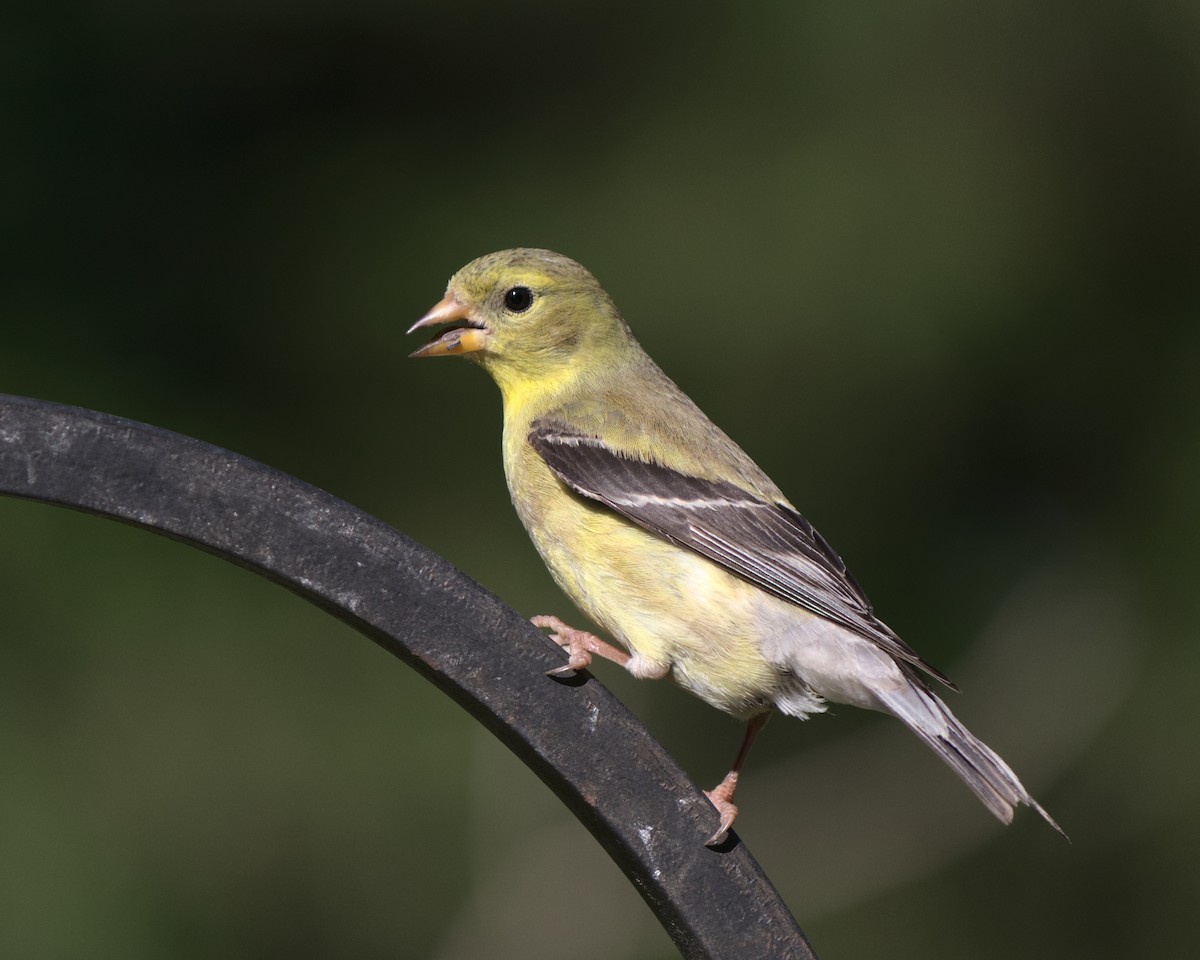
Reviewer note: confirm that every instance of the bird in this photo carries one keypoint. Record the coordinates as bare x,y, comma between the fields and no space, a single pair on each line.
666,535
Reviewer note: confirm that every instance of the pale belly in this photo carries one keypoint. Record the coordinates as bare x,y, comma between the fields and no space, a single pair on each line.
671,608
730,643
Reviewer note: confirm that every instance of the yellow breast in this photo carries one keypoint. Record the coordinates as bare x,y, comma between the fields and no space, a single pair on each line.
661,601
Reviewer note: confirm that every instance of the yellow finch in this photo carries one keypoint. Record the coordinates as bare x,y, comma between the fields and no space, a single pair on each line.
668,536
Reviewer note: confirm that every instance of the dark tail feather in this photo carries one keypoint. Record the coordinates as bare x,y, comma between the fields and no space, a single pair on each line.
979,766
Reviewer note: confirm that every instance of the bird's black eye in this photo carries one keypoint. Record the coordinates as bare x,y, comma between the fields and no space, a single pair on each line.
518,299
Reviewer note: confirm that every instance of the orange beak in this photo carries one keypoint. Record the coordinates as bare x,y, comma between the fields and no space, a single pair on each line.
467,336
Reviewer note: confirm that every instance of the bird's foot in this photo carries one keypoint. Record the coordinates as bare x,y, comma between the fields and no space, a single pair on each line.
721,797
579,644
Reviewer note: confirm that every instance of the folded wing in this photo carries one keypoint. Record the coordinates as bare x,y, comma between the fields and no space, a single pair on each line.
767,544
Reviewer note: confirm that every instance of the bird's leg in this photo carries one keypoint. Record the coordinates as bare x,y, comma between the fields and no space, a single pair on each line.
722,794
580,645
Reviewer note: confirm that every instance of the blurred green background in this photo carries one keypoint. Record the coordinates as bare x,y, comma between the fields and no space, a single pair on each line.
933,265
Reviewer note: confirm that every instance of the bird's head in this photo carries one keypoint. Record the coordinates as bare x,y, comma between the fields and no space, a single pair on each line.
525,315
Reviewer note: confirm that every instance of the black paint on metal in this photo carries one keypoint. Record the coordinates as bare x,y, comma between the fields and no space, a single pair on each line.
636,801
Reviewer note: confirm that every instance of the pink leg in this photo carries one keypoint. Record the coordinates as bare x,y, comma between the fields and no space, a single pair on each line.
722,794
580,645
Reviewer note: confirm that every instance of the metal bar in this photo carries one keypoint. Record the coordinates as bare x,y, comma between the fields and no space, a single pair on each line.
637,802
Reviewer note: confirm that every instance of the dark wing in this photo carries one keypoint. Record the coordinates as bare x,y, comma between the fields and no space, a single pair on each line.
767,544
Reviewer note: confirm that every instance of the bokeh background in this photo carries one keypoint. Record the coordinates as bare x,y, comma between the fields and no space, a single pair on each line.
934,265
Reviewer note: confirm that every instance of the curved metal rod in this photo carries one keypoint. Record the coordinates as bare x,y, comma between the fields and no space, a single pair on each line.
577,738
